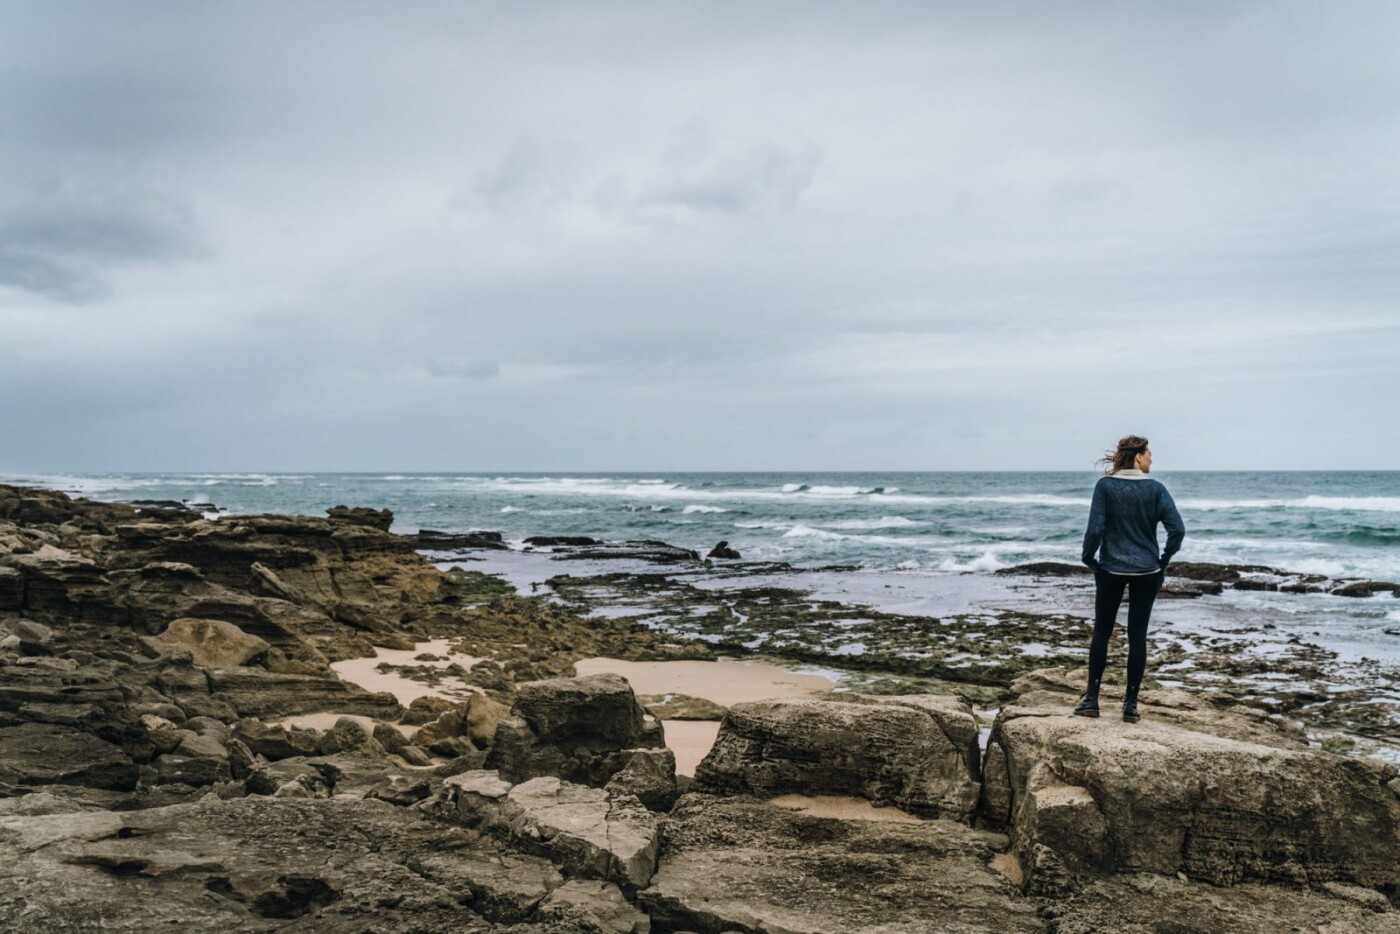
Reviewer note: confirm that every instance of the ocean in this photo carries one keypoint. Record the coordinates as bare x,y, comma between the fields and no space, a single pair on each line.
1339,523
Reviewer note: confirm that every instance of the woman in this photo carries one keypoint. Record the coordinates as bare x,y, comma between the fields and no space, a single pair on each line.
1121,547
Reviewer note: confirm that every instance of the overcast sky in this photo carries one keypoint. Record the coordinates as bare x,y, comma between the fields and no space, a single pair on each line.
650,236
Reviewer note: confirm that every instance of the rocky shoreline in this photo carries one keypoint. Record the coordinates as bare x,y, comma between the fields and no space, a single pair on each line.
178,746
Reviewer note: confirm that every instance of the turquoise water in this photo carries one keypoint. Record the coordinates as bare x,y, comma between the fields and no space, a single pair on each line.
1342,524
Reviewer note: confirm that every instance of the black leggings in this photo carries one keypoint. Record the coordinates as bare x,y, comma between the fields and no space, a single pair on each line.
1108,597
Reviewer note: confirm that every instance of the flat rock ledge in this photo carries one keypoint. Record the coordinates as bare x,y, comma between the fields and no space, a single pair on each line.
917,752
590,832
1218,795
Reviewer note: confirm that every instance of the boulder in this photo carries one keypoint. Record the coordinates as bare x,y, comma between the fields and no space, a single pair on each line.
175,768
269,778
573,728
213,643
273,741
50,754
31,638
916,752
163,735
348,736
597,707
1221,795
415,755
681,707
587,831
476,719
650,774
202,747
426,709
389,736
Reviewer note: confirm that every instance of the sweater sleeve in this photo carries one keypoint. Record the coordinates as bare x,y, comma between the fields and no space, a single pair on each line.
1176,529
1093,535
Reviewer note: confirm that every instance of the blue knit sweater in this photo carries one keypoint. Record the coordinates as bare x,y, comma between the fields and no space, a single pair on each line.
1122,533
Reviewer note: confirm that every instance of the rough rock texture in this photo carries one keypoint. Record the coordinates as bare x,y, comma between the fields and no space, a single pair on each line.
741,864
255,864
1216,794
593,906
917,752
572,728
681,707
212,643
47,754
650,774
587,831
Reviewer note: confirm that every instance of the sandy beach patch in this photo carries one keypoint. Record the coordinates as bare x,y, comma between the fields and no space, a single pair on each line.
365,672
725,681
841,807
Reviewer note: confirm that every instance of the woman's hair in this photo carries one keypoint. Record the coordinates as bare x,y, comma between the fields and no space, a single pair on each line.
1121,459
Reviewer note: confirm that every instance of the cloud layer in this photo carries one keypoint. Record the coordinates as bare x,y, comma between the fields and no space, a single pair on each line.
620,236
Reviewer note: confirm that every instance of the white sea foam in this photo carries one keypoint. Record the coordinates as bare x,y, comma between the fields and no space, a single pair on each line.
987,561
85,486
510,509
1352,503
806,531
694,508
884,522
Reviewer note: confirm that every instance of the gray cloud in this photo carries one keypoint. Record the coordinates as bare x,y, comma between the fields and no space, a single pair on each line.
899,235
57,239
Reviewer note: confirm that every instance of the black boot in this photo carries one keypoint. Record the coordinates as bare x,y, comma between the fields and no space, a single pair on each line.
1130,708
1088,705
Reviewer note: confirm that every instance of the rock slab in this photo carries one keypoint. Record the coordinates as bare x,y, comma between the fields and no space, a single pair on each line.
590,832
918,753
1214,795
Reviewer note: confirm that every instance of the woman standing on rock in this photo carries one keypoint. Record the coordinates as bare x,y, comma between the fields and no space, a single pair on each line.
1121,547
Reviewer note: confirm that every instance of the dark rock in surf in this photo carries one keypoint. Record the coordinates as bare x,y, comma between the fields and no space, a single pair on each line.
1045,569
561,541
722,550
379,519
432,539
1367,589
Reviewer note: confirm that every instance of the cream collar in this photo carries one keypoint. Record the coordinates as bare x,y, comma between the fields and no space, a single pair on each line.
1130,473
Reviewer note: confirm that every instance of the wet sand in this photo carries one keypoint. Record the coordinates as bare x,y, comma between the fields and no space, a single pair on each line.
364,672
841,807
725,681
